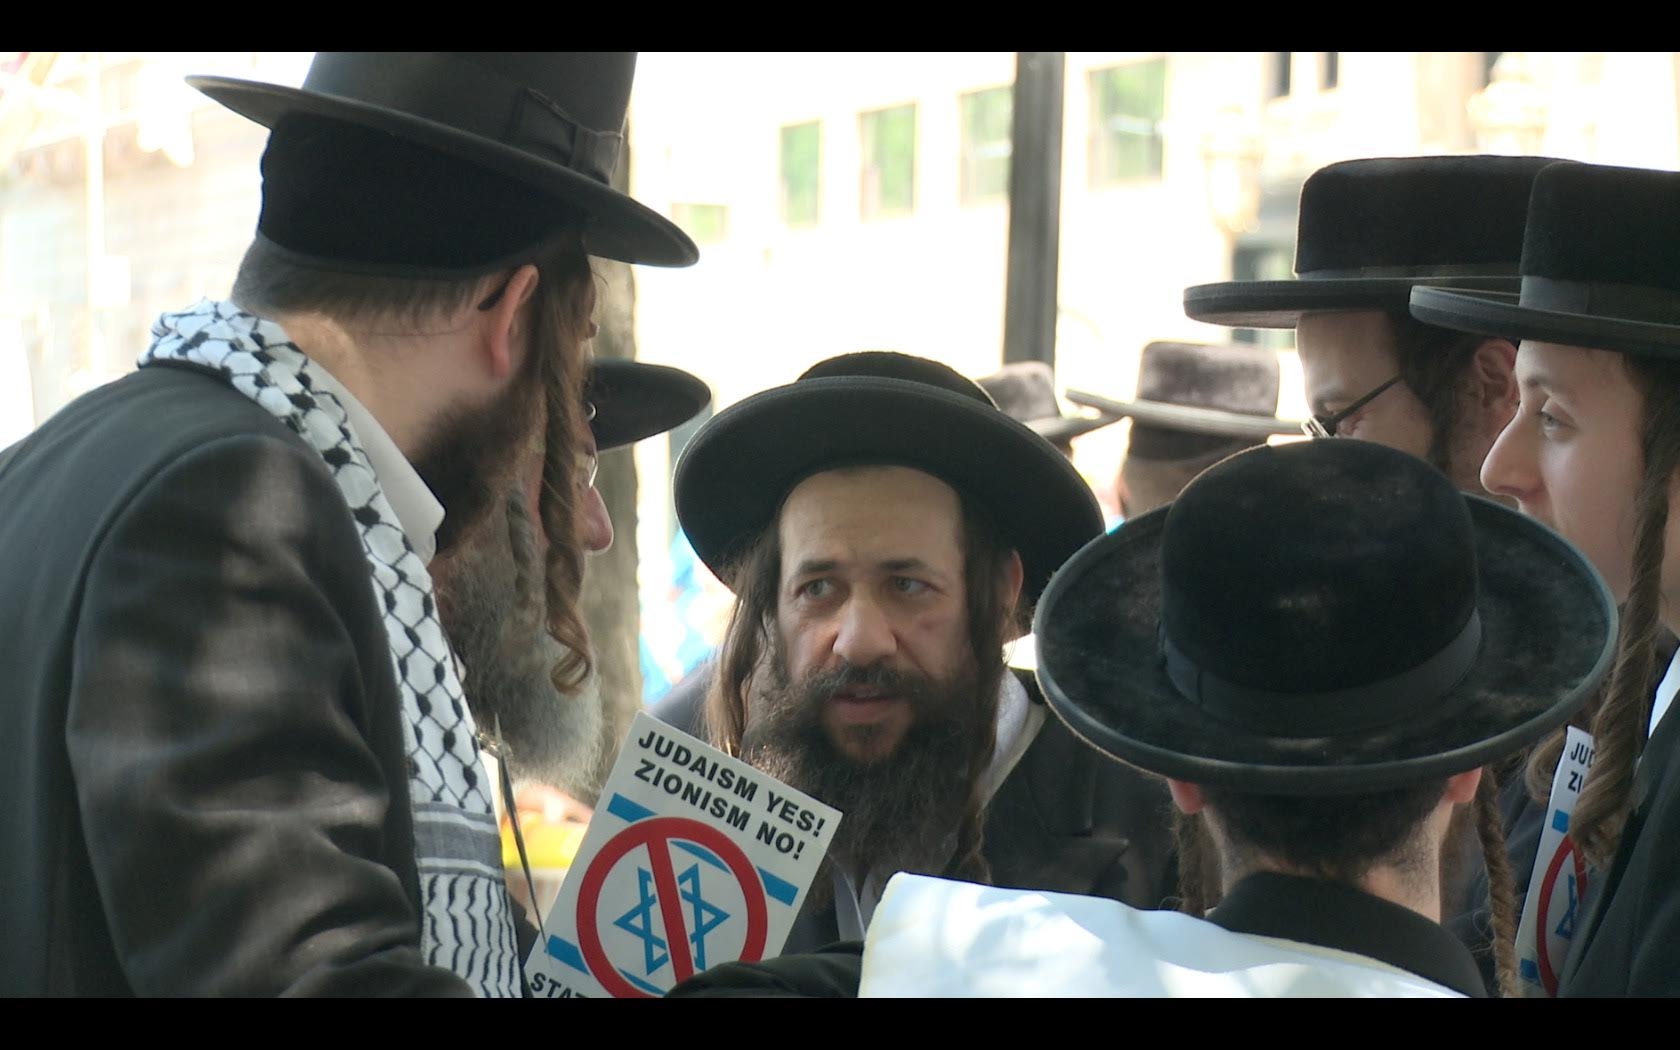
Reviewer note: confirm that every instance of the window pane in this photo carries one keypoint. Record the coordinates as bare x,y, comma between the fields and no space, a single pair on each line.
1280,73
1127,103
706,223
801,173
985,144
889,161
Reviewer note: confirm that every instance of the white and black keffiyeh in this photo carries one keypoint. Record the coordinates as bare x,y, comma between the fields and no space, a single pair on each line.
468,924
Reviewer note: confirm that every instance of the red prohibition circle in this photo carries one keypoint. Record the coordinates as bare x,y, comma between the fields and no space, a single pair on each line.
1542,924
657,833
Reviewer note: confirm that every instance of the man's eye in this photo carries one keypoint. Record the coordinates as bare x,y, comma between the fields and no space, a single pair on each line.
909,585
816,589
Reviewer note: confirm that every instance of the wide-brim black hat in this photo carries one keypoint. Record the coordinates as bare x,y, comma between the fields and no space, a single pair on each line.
1600,267
1026,390
880,409
1189,394
1188,418
1372,230
634,400
552,121
1361,697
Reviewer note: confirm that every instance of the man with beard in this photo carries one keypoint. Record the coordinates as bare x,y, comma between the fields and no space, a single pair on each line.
492,604
1369,232
490,591
886,529
242,764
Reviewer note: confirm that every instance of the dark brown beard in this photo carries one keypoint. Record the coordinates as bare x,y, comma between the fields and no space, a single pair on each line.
471,455
901,812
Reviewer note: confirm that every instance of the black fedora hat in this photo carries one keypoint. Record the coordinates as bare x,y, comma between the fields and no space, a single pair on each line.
888,409
634,400
1369,230
551,122
1194,397
1026,390
1600,266
1322,617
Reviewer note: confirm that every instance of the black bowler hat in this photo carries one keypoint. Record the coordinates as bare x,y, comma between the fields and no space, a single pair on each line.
1600,266
1372,229
437,163
1026,390
634,400
1323,617
878,408
1193,398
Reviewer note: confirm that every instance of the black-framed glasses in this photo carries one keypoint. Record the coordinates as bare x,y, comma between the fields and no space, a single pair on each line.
1325,426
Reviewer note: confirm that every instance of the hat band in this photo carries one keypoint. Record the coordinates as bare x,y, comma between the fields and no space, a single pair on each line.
1336,711
1626,302
1416,272
449,90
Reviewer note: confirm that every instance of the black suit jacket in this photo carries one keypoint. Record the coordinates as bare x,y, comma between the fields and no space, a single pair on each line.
1067,818
1630,944
205,781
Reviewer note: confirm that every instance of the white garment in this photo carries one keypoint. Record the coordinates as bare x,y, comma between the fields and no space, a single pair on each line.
1018,723
1664,698
937,937
417,509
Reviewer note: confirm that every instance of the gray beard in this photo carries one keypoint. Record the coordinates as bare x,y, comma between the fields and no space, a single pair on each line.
491,602
901,812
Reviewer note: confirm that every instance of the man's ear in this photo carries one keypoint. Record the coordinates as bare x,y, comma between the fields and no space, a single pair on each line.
1461,787
503,323
1187,797
1493,379
1013,575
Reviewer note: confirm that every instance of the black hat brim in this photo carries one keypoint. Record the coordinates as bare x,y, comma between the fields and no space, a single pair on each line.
614,225
1190,418
634,400
735,473
1280,304
1489,313
1549,628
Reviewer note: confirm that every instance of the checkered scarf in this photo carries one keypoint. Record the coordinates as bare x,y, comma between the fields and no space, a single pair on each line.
467,921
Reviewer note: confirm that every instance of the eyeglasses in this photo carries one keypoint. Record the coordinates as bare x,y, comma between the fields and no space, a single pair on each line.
1325,426
588,466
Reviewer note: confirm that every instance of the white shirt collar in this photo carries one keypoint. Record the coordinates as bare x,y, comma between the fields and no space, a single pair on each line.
1665,694
1019,720
418,511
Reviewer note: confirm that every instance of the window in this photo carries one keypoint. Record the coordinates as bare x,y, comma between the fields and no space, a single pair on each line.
986,140
1279,85
1126,107
706,223
801,173
889,162
1329,69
